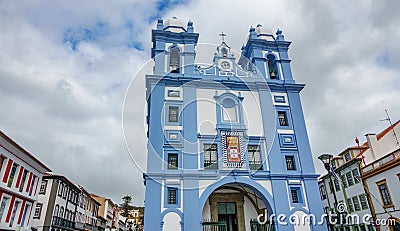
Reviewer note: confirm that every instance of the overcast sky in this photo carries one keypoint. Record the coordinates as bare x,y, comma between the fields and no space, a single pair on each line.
65,67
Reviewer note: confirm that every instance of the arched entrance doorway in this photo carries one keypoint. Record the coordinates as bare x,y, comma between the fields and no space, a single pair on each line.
235,207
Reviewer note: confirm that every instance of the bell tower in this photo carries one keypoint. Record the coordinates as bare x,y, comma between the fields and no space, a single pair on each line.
173,47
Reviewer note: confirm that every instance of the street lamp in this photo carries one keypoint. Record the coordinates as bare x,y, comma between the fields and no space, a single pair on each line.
326,160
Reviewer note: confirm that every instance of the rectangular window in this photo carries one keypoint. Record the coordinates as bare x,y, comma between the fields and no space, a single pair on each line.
295,195
32,184
347,156
60,189
337,185
26,209
38,211
350,203
210,156
24,175
363,201
12,175
3,207
322,192
172,196
282,118
349,178
173,93
356,176
330,187
385,194
356,204
290,165
344,182
173,114
172,161
43,187
362,227
255,161
14,213
2,158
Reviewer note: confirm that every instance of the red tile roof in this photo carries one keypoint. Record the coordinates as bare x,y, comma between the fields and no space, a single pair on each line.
384,132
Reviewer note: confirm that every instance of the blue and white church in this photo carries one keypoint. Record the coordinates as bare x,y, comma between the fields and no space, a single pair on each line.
226,141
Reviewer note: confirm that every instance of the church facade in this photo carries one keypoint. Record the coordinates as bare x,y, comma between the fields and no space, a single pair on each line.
227,142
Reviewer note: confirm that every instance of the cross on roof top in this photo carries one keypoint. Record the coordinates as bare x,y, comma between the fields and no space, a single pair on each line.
222,36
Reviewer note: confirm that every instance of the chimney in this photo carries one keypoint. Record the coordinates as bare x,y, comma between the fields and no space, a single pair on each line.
373,145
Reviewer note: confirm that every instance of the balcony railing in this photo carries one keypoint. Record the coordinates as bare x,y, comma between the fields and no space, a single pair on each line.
61,222
210,225
211,165
384,160
255,165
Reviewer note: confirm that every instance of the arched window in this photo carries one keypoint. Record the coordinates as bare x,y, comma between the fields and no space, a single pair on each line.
272,67
174,59
229,109
61,212
66,214
56,210
224,52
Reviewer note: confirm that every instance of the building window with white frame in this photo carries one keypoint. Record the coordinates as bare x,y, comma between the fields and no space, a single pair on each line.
210,156
38,211
14,213
290,163
3,205
2,159
43,187
173,114
172,196
350,204
385,194
356,175
282,117
12,175
295,195
322,192
24,175
172,160
349,178
60,189
254,155
337,185
356,203
363,201
347,156
344,182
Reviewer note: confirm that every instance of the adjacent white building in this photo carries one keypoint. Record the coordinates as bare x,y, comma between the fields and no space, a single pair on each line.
57,204
20,174
381,176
